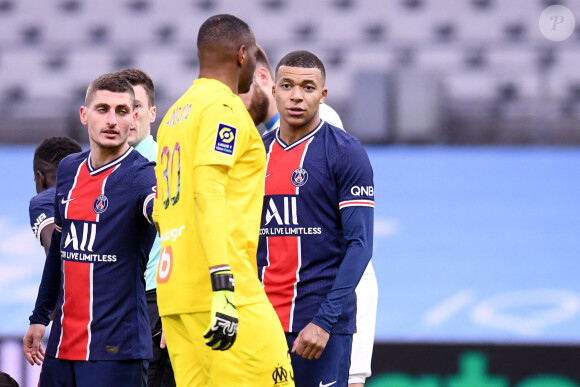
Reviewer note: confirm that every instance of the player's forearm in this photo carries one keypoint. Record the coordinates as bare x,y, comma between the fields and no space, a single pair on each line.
49,285
210,213
46,237
358,231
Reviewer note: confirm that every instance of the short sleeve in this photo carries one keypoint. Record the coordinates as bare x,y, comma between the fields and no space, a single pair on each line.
145,186
222,133
41,212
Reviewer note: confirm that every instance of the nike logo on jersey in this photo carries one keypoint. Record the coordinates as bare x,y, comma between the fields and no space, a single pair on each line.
326,385
268,175
63,201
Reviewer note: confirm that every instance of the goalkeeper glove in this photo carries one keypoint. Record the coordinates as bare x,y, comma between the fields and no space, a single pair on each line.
223,329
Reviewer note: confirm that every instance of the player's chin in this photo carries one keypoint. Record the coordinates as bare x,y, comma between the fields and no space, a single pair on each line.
296,120
109,143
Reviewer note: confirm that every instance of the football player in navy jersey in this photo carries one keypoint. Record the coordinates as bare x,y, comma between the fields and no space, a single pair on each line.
47,156
317,225
261,105
94,270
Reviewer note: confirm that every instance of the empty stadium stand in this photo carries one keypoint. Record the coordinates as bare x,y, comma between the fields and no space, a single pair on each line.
485,58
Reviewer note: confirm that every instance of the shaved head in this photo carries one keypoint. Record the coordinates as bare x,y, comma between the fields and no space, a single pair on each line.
226,49
221,31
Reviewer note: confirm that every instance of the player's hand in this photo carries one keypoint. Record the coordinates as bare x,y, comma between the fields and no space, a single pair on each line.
162,343
223,327
310,342
32,344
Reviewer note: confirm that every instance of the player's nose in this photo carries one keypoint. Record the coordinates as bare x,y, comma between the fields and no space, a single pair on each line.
111,118
296,93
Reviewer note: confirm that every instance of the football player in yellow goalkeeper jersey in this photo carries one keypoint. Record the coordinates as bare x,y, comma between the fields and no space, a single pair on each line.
220,328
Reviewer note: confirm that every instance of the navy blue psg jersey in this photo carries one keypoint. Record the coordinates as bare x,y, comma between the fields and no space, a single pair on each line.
94,271
309,186
41,211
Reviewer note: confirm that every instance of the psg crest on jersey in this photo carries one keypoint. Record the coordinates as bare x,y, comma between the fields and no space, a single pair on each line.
299,177
100,205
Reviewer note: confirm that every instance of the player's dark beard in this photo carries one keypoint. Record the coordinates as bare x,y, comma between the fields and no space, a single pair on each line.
259,106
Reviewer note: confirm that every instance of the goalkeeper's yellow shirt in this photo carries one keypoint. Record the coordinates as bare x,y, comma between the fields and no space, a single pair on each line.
208,125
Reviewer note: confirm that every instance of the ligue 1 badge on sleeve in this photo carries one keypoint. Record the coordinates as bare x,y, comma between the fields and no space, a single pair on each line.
299,177
225,139
100,205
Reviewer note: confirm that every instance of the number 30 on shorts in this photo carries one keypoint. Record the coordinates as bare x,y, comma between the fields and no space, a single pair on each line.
169,176
165,265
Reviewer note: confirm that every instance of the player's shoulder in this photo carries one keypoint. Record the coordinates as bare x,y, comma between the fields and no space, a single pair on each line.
70,163
269,136
337,137
212,91
74,158
138,161
216,100
44,198
343,150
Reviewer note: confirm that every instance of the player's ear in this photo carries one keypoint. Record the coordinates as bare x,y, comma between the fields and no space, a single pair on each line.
152,114
41,179
323,96
263,76
242,55
83,115
274,90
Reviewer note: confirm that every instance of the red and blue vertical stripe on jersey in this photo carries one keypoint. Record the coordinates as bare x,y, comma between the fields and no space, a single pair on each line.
280,278
77,308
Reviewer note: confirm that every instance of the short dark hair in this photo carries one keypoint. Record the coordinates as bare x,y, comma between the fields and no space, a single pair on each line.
222,29
262,59
114,82
304,59
7,380
53,149
139,77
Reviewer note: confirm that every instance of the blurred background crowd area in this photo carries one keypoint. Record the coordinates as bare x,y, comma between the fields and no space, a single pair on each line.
398,71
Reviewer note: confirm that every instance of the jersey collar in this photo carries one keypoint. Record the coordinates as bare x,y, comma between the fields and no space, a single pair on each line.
117,161
296,143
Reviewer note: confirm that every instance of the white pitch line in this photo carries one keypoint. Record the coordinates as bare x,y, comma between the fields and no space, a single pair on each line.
441,312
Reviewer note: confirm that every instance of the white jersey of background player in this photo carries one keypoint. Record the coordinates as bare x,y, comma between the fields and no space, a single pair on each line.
262,107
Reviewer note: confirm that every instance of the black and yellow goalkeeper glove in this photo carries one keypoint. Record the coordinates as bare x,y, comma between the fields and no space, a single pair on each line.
223,328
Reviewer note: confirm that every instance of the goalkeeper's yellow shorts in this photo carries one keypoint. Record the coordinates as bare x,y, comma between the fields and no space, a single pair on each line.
259,356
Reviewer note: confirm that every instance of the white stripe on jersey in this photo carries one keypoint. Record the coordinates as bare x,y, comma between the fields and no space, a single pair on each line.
147,200
356,203
291,322
61,311
91,312
42,225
